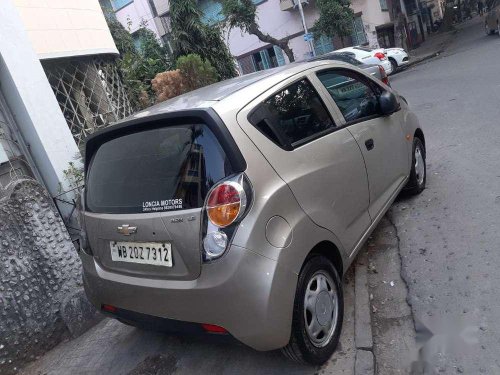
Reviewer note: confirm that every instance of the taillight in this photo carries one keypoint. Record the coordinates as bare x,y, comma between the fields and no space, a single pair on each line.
212,328
383,75
109,308
225,206
225,203
380,56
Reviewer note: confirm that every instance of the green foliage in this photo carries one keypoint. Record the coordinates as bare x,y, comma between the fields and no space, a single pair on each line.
73,175
191,36
240,13
335,18
138,67
196,72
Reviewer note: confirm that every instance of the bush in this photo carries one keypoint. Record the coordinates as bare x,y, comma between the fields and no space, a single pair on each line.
196,72
192,73
166,85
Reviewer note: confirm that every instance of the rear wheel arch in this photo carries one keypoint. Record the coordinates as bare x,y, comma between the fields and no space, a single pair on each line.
329,250
420,135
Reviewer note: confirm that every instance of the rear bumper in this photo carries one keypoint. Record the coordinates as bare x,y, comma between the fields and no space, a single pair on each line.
387,66
249,295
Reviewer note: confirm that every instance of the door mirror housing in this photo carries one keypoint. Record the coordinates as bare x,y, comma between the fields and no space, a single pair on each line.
388,103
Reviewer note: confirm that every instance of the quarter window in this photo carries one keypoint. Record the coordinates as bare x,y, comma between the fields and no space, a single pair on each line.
293,116
355,97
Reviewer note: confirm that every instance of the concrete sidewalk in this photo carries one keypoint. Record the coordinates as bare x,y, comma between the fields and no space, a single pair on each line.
436,43
116,349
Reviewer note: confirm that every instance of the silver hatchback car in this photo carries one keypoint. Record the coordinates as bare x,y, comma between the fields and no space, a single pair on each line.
236,209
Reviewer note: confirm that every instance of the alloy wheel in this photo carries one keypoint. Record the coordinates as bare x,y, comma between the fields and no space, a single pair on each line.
419,165
320,309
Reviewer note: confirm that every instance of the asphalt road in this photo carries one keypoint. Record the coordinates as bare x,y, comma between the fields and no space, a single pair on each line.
450,235
448,241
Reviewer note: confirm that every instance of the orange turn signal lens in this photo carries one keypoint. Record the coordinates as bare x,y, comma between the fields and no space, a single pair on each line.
222,216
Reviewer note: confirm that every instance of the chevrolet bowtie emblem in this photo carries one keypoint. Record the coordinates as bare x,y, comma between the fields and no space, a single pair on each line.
126,229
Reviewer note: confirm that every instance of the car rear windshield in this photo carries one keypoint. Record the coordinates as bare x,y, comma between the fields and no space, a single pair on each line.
162,169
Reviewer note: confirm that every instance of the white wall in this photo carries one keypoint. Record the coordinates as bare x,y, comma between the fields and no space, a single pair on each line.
134,13
372,16
60,28
277,23
32,102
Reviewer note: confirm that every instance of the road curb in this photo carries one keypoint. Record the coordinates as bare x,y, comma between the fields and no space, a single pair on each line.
365,363
429,56
363,337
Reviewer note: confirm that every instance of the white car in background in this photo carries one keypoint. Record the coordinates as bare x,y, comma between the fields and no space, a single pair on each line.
369,55
398,57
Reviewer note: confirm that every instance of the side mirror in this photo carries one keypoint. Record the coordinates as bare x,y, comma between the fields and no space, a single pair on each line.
388,103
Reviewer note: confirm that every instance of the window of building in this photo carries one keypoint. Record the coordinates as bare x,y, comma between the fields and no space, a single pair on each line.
293,116
270,57
383,5
118,4
323,44
211,11
358,31
354,96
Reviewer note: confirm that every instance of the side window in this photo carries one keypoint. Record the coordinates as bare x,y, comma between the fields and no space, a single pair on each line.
292,116
355,96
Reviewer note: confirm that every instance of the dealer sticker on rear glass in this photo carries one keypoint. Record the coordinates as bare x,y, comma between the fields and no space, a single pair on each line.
163,205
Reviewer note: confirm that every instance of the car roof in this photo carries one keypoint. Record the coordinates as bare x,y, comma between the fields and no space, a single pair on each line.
208,96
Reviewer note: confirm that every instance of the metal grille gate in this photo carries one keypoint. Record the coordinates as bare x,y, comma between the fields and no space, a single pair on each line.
90,92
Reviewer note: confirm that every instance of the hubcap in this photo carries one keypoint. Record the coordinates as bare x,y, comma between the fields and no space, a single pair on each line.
419,165
320,309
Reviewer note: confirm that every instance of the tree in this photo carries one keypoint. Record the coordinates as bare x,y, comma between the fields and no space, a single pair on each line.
191,36
243,14
335,18
138,65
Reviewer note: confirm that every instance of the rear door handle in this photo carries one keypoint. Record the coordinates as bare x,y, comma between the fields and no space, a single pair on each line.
369,144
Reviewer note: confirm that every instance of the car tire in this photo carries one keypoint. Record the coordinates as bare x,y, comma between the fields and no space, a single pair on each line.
418,173
394,65
320,284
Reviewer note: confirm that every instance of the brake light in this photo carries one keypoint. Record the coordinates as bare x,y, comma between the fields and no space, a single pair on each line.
380,56
383,75
109,308
225,203
212,328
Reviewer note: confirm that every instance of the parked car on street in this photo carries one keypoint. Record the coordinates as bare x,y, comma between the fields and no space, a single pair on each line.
236,209
373,69
369,55
398,57
492,19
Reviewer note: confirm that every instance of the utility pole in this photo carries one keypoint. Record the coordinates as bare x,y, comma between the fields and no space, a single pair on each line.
310,42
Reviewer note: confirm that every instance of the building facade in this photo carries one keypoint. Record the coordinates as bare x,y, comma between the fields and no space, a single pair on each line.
377,23
279,18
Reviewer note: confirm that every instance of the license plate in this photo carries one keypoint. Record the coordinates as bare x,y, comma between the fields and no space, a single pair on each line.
155,253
